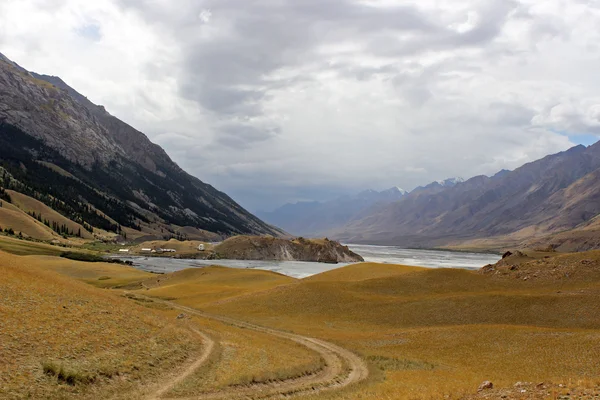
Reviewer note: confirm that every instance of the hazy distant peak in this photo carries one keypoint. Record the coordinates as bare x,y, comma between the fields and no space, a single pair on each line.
396,190
451,181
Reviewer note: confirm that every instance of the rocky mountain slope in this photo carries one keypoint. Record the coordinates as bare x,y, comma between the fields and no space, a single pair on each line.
560,192
269,248
315,218
72,155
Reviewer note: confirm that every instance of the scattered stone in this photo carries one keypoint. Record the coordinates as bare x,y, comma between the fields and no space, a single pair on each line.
486,385
526,278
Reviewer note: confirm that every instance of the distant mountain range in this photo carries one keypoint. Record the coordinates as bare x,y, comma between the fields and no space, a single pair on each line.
317,218
72,155
553,201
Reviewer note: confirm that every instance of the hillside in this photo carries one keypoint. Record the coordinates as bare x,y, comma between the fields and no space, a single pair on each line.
269,248
62,339
399,332
315,218
73,156
555,194
434,334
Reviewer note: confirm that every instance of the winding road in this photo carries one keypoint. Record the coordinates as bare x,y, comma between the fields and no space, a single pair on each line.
342,367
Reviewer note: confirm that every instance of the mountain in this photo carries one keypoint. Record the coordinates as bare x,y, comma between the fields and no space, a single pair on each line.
316,218
61,149
558,193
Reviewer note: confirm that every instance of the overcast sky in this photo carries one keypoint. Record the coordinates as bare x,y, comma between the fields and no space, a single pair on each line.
283,100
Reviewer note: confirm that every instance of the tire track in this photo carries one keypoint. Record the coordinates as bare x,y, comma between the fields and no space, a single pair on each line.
342,367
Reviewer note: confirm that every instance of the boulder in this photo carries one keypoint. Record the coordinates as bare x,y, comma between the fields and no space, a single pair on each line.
486,385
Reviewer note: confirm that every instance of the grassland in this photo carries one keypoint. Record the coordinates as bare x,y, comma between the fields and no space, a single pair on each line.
25,248
437,333
425,334
63,339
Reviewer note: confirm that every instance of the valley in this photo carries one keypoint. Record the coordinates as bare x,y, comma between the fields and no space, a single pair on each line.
124,276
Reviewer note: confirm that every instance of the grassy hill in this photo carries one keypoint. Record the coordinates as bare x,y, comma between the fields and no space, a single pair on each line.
67,339
20,222
63,339
425,333
31,205
436,333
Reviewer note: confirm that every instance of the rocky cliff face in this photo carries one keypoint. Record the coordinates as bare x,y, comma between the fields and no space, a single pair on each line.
557,193
49,130
268,248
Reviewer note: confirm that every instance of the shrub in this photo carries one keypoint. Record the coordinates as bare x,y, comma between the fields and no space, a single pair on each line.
86,257
69,376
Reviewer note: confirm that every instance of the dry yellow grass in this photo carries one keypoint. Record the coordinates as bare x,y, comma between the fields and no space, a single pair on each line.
103,275
432,333
29,204
62,339
23,247
426,334
245,357
360,272
194,287
21,222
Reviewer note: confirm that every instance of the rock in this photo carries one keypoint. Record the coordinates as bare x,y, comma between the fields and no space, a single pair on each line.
507,254
181,316
486,385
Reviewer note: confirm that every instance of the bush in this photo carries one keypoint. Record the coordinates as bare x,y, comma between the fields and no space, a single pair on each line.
69,376
72,255
93,258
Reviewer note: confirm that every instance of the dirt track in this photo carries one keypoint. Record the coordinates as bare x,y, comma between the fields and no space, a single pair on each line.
342,367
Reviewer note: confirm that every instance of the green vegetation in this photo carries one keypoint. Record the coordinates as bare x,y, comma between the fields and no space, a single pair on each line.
91,258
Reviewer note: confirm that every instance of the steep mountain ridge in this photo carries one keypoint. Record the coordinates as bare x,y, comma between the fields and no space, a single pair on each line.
558,192
47,127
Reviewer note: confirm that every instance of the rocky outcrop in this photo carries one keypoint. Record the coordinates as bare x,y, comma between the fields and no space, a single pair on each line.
270,248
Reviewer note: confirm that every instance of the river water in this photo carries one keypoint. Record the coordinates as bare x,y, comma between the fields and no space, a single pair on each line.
297,269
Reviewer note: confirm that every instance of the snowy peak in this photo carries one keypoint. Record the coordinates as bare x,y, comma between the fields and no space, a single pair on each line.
451,182
394,192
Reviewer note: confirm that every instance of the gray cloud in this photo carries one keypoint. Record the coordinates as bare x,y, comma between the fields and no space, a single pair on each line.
282,100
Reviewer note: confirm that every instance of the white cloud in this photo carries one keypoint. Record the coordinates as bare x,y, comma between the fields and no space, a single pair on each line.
273,101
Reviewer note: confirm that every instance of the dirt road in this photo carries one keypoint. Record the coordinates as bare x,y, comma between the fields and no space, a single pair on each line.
342,367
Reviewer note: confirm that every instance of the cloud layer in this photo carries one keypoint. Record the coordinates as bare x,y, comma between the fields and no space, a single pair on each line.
283,100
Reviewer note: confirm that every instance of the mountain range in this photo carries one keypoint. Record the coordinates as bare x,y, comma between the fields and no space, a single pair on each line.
553,201
72,155
316,218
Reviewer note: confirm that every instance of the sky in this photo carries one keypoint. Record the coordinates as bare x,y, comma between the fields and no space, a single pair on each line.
276,101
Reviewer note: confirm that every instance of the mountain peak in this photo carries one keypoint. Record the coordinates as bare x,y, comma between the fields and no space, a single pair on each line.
396,190
113,169
451,182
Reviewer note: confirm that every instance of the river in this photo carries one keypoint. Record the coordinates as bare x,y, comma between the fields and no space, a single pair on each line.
297,269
